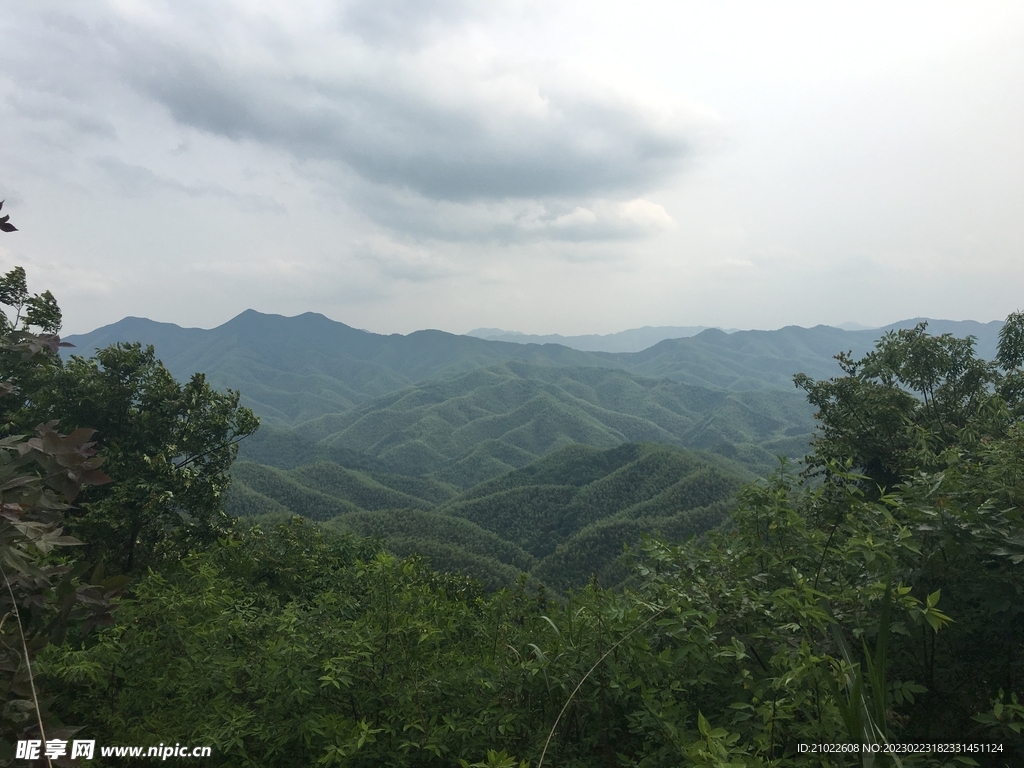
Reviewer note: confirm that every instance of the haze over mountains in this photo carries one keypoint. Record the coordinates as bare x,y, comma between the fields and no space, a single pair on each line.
632,340
292,369
501,457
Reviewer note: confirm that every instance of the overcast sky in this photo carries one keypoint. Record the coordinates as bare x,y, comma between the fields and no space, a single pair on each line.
546,167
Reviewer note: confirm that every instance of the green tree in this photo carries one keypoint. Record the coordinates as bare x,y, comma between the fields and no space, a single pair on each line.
169,444
911,387
43,596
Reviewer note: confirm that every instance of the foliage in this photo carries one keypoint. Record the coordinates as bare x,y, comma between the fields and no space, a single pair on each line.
170,445
43,598
482,424
912,392
876,598
43,595
35,310
563,518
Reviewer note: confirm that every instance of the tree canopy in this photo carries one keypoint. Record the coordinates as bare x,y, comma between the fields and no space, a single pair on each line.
876,598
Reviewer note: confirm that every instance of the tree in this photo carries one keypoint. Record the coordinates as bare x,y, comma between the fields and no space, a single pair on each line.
43,596
169,444
39,310
914,391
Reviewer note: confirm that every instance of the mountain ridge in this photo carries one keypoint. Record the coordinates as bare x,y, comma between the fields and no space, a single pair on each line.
291,370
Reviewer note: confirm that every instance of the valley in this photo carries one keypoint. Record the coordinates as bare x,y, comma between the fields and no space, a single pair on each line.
504,460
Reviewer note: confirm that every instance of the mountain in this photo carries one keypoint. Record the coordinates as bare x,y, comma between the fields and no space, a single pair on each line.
632,340
752,360
292,370
501,458
560,519
468,428
852,326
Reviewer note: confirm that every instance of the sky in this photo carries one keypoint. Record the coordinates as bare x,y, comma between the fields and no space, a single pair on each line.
546,167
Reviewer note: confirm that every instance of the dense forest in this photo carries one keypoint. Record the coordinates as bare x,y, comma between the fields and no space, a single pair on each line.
434,574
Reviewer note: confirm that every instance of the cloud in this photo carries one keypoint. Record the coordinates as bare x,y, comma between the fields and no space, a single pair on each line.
410,111
447,114
506,135
53,108
608,220
135,180
404,22
512,220
398,261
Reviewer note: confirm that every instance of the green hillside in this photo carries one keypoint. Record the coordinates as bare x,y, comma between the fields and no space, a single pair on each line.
297,369
467,429
603,500
292,369
560,519
452,544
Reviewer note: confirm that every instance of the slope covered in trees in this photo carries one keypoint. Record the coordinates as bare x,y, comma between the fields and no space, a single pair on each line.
561,519
755,360
875,600
469,428
293,369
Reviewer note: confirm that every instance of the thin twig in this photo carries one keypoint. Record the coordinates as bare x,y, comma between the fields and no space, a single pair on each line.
597,663
28,664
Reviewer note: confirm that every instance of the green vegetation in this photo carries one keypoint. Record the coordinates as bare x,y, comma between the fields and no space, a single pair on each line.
295,369
176,442
873,596
563,518
42,600
478,425
292,370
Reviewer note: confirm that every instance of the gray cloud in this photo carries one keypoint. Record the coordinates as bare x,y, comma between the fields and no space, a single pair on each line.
514,220
403,22
389,134
52,108
440,134
443,116
135,181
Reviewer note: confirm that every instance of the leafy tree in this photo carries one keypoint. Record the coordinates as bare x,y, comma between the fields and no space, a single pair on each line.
914,391
43,596
169,444
39,310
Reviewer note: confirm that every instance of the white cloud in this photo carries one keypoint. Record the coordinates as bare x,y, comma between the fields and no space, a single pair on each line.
579,217
414,159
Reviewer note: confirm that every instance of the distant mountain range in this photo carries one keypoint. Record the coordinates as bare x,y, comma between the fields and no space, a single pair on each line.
292,370
633,340
504,458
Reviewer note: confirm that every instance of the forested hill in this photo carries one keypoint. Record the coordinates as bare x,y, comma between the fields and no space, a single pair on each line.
747,360
560,519
472,427
293,369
